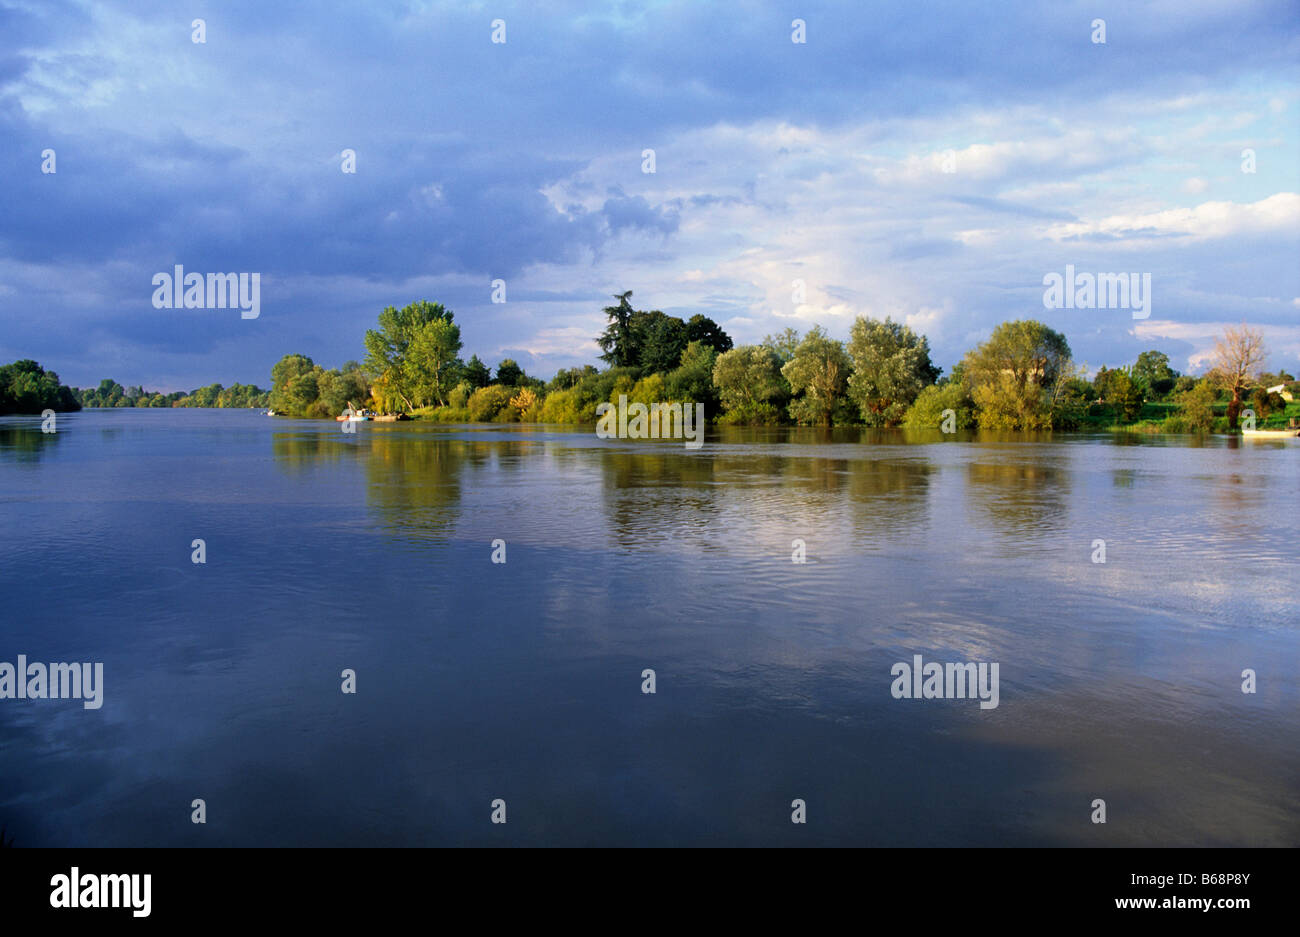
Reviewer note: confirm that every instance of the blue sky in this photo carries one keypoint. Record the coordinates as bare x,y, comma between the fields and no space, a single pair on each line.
775,161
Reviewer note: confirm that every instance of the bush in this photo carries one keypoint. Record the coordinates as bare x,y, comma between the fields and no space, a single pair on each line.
486,403
752,414
926,412
459,397
568,406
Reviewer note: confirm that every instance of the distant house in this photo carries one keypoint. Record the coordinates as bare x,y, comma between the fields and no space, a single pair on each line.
1281,391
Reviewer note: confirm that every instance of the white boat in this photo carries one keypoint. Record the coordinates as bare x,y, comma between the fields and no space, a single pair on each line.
1269,433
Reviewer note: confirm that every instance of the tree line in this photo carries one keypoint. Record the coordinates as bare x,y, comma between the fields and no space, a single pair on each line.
110,393
1022,377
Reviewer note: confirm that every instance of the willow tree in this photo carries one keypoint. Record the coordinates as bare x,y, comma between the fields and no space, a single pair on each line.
1016,376
891,366
818,374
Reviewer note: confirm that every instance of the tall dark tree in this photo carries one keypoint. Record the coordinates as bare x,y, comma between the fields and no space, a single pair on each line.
661,339
477,373
509,373
704,330
617,343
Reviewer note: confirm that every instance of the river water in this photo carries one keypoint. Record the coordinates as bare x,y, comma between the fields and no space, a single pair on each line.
522,681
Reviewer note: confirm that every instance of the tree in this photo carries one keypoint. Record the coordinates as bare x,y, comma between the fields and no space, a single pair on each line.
1124,394
26,387
294,385
566,378
1196,407
432,364
692,380
783,344
618,343
660,338
1235,361
704,330
891,365
415,357
341,389
509,374
524,401
1016,375
477,373
1152,370
654,341
819,373
747,379
486,403
927,411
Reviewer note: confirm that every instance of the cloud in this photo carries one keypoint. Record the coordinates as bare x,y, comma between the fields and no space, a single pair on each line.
522,161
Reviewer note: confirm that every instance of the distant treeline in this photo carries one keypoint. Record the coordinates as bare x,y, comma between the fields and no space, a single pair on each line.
110,393
1022,377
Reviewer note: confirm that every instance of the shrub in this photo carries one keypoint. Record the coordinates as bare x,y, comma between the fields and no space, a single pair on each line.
486,403
459,396
926,412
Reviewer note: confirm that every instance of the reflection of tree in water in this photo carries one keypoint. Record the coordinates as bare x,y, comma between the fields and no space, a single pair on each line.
665,495
1020,497
415,483
890,494
295,452
24,443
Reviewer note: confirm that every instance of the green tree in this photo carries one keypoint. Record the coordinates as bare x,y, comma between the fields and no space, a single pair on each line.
1196,407
661,339
1152,370
704,330
1016,375
294,385
618,343
692,380
748,381
891,366
414,351
818,373
487,403
509,374
26,387
928,410
477,373
1124,394
431,365
783,344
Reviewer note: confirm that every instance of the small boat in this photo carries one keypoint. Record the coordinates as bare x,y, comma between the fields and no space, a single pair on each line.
353,415
1269,433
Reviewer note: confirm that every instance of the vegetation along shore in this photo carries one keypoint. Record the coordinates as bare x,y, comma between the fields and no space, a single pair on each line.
1022,377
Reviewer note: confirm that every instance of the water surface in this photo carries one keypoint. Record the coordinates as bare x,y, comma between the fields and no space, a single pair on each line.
522,681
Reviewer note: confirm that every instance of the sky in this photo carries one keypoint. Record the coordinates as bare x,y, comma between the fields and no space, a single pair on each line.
931,162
